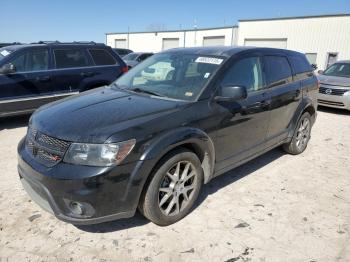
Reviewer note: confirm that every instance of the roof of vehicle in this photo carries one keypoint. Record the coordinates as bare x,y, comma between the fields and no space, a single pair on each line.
117,48
343,62
53,43
141,53
226,51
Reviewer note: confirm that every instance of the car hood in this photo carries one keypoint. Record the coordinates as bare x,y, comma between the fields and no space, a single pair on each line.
334,80
94,116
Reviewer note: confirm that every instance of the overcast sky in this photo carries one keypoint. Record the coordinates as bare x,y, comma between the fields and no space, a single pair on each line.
69,20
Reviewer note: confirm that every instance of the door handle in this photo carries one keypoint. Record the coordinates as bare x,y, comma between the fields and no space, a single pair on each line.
265,103
43,78
261,104
87,74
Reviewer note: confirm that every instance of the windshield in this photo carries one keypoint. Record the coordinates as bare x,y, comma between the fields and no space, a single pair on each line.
4,52
171,75
131,56
338,69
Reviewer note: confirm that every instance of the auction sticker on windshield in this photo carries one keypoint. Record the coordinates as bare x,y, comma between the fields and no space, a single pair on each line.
209,60
5,52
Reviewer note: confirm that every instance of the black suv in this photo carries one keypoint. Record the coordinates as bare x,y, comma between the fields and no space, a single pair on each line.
151,141
34,74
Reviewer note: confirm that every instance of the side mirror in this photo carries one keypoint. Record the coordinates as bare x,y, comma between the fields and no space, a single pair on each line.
231,93
314,66
7,69
320,72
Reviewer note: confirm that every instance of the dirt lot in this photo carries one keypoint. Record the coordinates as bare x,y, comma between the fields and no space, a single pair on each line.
275,208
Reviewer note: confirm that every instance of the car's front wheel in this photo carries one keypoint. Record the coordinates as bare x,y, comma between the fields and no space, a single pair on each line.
173,189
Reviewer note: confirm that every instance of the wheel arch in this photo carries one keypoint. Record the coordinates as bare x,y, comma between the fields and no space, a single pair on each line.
306,105
192,139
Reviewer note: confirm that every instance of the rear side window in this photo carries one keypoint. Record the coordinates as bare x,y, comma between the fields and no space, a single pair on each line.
300,64
102,57
68,58
278,70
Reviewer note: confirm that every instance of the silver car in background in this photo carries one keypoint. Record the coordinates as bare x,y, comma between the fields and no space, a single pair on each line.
335,85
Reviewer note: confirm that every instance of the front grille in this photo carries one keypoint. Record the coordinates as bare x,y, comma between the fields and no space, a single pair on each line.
325,102
332,91
47,150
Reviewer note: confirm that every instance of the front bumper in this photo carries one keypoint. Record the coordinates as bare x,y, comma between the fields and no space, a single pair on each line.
105,194
334,101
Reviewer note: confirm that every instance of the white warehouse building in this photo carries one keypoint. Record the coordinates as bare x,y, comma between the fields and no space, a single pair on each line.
324,39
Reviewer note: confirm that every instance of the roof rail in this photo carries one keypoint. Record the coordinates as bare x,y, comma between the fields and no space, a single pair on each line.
47,42
67,43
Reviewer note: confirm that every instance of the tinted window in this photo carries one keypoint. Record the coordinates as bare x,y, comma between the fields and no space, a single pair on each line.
102,57
66,58
36,60
143,57
246,72
279,71
300,64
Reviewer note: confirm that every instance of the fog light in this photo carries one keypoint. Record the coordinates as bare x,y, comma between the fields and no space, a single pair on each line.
76,208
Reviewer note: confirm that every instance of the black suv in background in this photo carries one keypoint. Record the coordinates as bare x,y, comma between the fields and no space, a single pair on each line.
152,141
34,74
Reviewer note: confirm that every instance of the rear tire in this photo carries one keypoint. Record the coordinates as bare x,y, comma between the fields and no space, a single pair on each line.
301,136
173,189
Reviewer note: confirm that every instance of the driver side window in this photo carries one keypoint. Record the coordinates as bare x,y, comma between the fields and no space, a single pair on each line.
37,60
246,72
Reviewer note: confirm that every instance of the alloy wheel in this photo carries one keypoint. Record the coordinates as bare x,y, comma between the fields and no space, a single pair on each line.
303,133
177,188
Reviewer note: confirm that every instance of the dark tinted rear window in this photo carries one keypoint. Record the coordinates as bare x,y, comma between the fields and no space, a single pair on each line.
68,58
300,64
278,68
102,57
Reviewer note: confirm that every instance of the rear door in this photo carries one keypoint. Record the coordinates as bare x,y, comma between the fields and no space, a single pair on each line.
244,124
30,85
285,95
71,67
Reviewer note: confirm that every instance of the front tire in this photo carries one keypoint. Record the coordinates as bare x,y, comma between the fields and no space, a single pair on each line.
173,189
301,136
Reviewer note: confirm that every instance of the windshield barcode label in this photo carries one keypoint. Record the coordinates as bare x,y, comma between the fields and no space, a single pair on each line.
209,60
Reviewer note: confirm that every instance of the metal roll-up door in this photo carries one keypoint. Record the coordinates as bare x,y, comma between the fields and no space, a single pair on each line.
120,43
170,43
213,40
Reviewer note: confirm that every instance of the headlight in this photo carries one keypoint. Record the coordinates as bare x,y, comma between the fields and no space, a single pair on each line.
98,154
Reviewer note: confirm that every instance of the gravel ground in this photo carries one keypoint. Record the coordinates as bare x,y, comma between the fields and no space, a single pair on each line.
277,207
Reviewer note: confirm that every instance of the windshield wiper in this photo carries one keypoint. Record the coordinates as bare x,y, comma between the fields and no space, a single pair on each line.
139,90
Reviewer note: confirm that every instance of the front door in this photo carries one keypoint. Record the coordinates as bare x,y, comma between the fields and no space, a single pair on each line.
29,86
243,124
